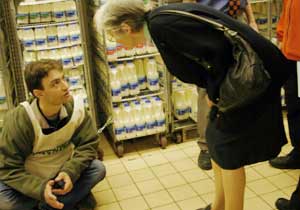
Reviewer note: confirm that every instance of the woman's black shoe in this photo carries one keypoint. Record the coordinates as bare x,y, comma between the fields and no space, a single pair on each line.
206,208
283,204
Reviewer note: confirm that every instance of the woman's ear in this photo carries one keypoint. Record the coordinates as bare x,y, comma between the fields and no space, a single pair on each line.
126,28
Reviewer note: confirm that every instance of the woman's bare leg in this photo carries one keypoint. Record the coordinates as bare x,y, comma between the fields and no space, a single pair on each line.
234,188
219,201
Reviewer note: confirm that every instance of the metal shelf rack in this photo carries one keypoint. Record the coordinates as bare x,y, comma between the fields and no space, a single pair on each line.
105,103
37,25
5,67
28,3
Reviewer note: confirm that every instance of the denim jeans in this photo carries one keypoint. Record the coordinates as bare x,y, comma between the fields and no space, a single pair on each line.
202,118
11,199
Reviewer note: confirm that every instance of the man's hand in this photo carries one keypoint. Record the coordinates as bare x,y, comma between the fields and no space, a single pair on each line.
50,198
63,176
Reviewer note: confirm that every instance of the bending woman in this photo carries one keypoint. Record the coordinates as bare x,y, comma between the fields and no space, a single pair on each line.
197,53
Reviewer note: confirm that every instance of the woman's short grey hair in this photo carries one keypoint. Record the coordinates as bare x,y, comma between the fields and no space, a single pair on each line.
115,12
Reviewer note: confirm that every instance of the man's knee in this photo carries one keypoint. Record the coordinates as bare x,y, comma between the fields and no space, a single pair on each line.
13,200
7,205
98,170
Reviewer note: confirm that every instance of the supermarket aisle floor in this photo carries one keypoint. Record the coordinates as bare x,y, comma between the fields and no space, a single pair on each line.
148,177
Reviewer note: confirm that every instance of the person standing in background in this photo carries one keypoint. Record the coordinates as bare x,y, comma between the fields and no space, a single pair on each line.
288,33
244,14
244,9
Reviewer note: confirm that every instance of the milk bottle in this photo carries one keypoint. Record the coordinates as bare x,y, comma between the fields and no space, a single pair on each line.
28,39
153,117
115,84
139,118
180,106
75,81
75,72
66,58
123,79
188,99
129,121
42,54
23,15
118,122
45,10
77,54
71,12
132,79
40,38
63,35
111,50
2,93
29,56
54,54
74,31
83,95
120,50
146,112
58,12
159,114
52,36
140,74
140,49
20,34
149,116
151,48
195,101
129,51
34,13
152,75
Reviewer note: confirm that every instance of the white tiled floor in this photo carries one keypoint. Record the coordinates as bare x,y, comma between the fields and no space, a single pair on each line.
148,177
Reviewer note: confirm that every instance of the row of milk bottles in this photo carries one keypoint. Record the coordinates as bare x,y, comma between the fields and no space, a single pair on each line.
52,36
3,104
75,78
128,79
69,56
185,100
81,93
47,12
116,50
139,118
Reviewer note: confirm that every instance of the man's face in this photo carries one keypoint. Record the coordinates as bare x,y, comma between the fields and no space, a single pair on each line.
55,89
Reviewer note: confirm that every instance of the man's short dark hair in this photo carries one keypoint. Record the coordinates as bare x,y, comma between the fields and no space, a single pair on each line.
36,71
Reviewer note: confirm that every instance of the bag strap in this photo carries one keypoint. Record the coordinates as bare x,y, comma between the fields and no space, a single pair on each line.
215,24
